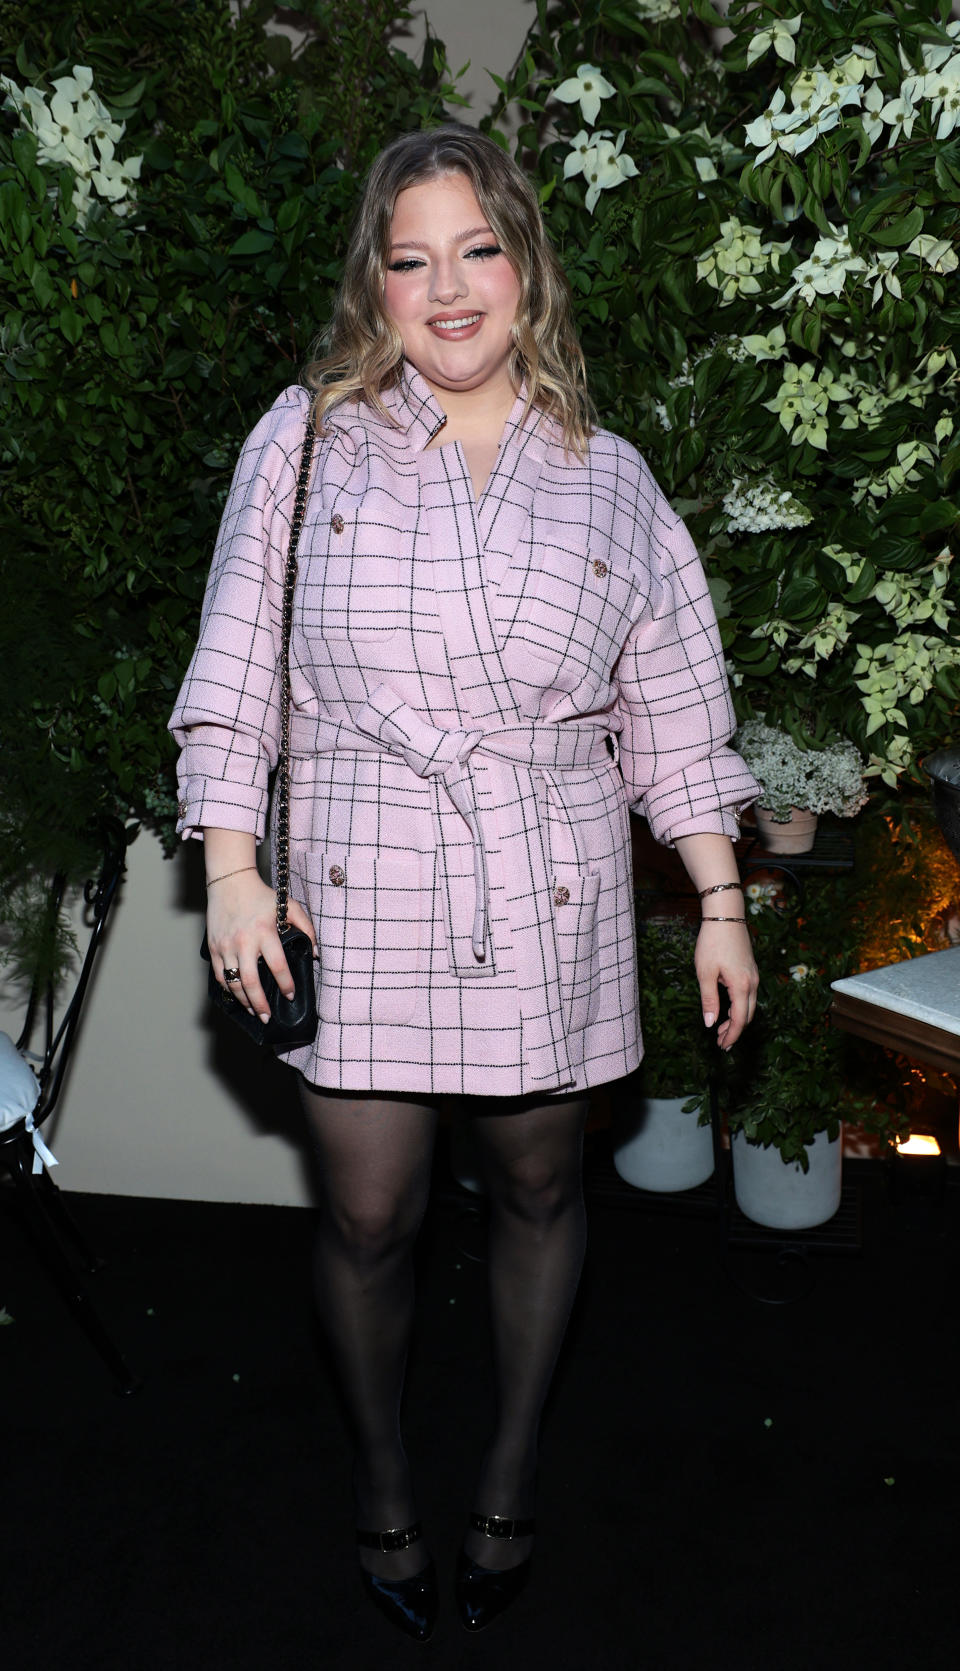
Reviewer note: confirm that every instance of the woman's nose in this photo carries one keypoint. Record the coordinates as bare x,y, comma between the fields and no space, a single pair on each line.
447,282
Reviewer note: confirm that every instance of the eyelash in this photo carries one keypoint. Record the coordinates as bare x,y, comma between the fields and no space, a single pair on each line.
409,263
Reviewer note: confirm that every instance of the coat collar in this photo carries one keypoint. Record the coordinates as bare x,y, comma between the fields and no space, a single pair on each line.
417,411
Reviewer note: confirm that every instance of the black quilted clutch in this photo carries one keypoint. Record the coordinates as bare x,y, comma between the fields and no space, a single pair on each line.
293,1021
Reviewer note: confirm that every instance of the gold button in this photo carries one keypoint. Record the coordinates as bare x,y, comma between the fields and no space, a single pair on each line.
337,523
561,896
599,568
337,875
182,809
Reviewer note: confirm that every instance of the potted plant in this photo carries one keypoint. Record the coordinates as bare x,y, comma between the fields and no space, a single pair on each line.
787,1095
660,1143
798,783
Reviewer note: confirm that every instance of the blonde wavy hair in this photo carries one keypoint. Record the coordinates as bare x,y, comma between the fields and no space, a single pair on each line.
361,353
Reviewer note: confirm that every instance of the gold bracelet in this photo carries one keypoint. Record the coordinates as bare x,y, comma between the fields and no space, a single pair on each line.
228,873
723,919
719,888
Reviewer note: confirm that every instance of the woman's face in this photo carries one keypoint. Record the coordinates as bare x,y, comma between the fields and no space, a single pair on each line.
450,290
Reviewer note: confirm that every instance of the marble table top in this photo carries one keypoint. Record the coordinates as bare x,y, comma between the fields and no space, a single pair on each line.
925,987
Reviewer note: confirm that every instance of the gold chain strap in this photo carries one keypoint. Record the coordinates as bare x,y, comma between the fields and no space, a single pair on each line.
283,764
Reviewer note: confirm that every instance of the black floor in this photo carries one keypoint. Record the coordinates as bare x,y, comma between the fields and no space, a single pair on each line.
725,1482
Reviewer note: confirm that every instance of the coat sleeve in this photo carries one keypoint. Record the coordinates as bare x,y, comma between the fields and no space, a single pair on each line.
226,718
673,693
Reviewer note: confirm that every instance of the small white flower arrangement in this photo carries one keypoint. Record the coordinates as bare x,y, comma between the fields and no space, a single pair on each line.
826,779
76,129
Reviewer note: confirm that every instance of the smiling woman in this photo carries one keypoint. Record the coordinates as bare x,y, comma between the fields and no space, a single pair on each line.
502,639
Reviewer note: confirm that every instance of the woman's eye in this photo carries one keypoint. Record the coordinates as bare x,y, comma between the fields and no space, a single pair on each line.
406,265
484,251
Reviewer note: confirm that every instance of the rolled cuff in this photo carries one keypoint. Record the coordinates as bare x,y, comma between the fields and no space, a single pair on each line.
707,798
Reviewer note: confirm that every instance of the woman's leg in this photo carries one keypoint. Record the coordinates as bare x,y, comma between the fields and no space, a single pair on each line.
375,1155
532,1167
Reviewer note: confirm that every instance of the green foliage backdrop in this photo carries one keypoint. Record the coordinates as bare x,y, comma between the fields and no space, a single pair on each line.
138,348
762,243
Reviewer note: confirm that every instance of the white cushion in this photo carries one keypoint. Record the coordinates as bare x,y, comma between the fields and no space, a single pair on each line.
19,1087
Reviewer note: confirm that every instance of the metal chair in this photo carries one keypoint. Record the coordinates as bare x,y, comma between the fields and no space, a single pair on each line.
30,1085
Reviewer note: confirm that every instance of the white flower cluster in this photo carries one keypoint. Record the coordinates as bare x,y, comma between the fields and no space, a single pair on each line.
802,402
832,261
939,86
77,129
819,95
731,264
755,507
761,896
596,155
826,779
817,98
656,11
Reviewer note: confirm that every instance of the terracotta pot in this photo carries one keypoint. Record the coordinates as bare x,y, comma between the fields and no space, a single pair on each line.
795,836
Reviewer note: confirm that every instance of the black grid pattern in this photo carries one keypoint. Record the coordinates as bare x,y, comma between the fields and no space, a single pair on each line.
464,674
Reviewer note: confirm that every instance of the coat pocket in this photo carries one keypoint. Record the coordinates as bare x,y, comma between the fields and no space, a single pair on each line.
371,921
575,898
349,597
574,613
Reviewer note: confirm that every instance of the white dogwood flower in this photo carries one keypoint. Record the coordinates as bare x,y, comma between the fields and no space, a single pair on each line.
773,346
942,88
937,252
608,167
774,127
825,271
780,37
588,87
583,149
802,402
732,263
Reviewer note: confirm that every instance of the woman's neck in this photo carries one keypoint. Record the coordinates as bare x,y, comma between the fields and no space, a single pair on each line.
475,413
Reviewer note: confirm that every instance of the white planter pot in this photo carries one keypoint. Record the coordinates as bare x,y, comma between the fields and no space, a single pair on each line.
658,1147
784,1197
797,835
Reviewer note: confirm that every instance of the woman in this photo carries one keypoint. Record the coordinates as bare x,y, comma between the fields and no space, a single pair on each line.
502,636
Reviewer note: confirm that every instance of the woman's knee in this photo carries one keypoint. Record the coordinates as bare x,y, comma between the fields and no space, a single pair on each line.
537,1188
373,1228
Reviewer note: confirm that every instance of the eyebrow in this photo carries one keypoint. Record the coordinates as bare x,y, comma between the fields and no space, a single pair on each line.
460,238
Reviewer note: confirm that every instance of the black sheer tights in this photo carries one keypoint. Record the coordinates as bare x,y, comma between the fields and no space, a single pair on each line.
375,1156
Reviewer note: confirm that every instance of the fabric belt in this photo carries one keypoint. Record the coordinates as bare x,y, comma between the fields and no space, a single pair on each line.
387,724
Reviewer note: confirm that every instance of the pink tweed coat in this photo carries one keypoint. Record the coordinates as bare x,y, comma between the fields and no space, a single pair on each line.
480,691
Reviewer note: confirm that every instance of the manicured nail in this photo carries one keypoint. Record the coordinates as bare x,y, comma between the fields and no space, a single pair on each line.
264,1015
708,1018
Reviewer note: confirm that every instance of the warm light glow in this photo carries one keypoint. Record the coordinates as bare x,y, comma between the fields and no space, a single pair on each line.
918,1143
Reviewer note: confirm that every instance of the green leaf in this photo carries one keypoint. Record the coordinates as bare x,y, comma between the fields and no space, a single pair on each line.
253,242
803,598
71,324
903,231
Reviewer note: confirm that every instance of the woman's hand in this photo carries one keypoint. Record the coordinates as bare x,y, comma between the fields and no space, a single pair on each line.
724,957
242,927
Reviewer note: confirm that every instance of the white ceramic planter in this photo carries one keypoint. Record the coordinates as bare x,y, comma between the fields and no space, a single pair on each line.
784,1197
658,1147
795,836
